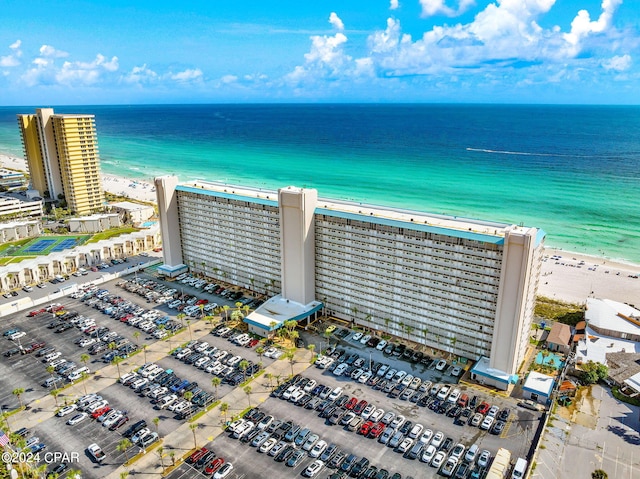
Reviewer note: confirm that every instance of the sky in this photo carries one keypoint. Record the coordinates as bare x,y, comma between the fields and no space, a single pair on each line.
73,52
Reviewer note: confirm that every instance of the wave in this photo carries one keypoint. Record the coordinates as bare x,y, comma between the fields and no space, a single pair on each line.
523,153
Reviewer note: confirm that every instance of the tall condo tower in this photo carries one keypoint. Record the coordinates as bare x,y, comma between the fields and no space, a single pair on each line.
63,159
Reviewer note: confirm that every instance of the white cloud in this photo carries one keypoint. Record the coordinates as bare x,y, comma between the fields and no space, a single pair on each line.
582,25
336,22
226,79
394,4
85,73
188,75
51,52
12,59
140,75
439,7
618,63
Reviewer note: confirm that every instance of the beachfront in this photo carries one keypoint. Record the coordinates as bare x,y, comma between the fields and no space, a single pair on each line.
572,278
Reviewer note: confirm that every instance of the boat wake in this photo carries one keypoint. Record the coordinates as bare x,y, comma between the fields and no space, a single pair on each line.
520,153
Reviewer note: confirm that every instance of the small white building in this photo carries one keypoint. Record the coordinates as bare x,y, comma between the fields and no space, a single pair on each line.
17,230
12,206
94,223
538,387
133,213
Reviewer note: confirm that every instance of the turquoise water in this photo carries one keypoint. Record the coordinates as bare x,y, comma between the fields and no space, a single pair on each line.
572,171
553,360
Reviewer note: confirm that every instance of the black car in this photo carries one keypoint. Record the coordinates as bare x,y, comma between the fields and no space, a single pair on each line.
204,460
285,454
58,470
504,414
135,428
12,352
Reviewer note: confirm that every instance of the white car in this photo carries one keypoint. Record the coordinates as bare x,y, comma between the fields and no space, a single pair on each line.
441,365
405,445
365,339
267,445
365,377
77,419
314,467
137,437
428,453
66,410
426,436
318,449
357,336
454,396
438,439
376,415
438,459
381,345
17,335
368,411
487,423
224,471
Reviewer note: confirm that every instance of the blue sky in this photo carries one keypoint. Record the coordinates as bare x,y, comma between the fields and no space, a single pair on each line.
500,51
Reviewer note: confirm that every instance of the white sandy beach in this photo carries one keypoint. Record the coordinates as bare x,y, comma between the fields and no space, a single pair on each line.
135,189
573,277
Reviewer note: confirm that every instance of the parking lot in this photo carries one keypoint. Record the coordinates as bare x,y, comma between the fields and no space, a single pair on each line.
249,463
28,372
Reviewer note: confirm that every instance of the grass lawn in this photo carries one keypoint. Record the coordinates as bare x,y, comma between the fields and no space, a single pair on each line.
111,233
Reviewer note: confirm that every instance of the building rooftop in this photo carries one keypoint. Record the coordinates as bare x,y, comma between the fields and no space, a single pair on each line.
275,311
623,367
595,347
482,368
605,314
480,230
129,206
539,383
560,334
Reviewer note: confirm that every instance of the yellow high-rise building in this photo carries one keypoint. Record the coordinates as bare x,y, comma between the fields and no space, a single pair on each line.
63,159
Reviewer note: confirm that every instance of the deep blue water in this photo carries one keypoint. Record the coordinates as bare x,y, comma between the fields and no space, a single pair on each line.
572,170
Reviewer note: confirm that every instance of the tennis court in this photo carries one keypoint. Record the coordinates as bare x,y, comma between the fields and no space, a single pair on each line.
44,246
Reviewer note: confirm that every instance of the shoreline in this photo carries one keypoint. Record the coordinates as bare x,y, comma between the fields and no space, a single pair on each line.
572,278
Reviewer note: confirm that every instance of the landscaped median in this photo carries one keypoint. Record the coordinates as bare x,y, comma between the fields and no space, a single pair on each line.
143,453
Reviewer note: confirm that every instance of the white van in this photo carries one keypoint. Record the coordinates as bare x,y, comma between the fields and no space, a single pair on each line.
77,374
519,469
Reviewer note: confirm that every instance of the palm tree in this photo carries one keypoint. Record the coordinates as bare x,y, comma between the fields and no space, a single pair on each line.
269,376
156,421
144,351
136,335
18,392
75,474
224,407
124,474
188,396
368,319
246,310
243,365
83,376
117,360
247,391
226,309
55,393
84,358
290,355
453,341
180,316
189,328
160,453
312,348
386,322
123,446
215,382
354,311
260,351
425,332
193,428
201,310
409,329
172,455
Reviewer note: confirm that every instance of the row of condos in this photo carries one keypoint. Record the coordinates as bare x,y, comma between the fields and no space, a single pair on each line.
44,268
459,285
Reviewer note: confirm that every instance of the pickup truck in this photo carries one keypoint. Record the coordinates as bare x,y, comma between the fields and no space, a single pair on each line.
96,452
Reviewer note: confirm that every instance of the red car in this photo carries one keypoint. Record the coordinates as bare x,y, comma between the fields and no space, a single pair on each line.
483,408
100,412
351,403
377,430
33,347
214,465
201,301
252,343
360,407
195,457
36,312
365,428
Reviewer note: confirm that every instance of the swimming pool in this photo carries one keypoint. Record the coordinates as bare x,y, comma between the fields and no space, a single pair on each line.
552,359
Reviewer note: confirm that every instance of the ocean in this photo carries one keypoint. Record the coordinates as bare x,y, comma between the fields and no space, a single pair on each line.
573,171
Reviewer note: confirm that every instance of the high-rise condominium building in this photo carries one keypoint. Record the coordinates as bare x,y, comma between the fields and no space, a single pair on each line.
63,159
454,284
